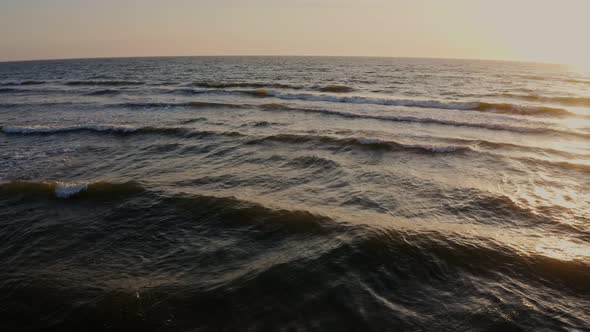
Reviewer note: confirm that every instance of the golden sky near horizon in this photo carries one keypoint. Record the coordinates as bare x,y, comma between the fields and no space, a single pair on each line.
529,30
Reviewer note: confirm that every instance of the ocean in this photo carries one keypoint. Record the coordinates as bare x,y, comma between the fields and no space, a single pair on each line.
294,194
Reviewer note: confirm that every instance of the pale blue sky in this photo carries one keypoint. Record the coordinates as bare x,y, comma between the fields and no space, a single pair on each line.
541,30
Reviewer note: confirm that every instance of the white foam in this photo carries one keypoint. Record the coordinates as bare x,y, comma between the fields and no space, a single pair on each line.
66,190
369,141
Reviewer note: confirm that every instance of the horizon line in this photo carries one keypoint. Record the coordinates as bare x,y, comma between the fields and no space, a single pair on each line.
285,56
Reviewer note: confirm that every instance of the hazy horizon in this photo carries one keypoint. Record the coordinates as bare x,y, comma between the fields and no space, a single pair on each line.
284,56
458,29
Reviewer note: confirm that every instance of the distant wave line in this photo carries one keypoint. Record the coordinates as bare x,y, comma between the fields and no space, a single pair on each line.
412,119
481,106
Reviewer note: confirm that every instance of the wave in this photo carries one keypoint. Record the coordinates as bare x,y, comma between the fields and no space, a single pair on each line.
33,91
252,93
106,92
368,100
573,80
185,132
569,101
494,145
489,126
192,104
566,80
367,143
419,147
336,88
71,189
574,166
44,104
148,105
361,142
255,85
117,130
504,108
103,83
436,246
52,130
262,124
460,251
564,165
260,93
299,220
22,83
188,121
12,90
322,164
202,104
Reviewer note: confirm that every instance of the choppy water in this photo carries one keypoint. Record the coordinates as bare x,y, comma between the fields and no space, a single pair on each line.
178,194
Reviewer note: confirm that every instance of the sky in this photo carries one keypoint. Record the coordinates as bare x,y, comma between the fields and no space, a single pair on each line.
525,30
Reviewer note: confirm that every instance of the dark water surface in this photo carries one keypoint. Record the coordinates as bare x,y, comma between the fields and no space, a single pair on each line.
294,194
